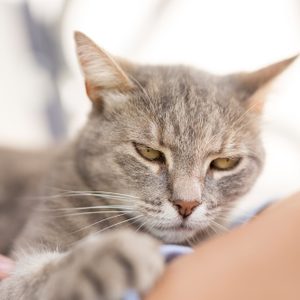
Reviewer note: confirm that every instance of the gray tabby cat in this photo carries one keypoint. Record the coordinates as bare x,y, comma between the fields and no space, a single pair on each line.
167,151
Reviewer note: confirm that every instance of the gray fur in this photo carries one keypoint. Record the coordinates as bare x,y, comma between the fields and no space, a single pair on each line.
191,116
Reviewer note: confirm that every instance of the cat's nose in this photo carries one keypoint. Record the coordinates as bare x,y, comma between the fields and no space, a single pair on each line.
185,208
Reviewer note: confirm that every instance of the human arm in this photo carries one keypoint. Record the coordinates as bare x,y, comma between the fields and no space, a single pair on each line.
259,260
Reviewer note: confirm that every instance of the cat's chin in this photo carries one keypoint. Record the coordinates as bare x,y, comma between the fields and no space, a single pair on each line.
174,235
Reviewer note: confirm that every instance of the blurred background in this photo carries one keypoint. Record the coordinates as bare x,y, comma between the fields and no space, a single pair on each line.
42,99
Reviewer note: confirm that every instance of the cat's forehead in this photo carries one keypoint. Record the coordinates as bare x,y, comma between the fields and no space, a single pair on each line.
187,107
181,90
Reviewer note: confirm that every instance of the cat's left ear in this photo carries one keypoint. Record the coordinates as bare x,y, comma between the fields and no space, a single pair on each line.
251,88
101,71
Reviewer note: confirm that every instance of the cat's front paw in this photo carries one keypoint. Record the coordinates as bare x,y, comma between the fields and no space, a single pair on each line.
106,267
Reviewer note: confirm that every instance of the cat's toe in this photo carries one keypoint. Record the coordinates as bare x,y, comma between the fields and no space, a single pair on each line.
134,259
143,260
107,266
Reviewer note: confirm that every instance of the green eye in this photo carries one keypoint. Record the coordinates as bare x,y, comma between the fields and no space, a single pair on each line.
149,153
224,164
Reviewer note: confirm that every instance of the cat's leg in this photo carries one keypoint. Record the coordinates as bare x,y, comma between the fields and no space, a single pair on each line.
102,267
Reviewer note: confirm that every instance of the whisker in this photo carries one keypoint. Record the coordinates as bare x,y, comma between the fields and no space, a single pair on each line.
213,229
141,226
238,120
88,207
193,240
102,196
116,198
141,87
119,223
134,221
152,226
93,212
100,192
243,116
190,243
98,222
121,198
219,226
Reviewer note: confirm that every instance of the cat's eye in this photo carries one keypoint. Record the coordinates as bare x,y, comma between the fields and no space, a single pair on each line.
149,153
224,163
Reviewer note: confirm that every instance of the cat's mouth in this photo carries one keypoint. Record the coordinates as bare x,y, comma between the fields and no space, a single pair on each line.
174,233
181,227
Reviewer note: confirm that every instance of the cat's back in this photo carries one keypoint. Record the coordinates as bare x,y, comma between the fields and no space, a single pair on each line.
18,165
20,173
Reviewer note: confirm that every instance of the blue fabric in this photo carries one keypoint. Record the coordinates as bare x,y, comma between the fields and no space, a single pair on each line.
243,218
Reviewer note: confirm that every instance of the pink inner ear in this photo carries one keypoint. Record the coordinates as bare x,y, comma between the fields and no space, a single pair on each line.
259,83
256,102
88,90
101,71
94,93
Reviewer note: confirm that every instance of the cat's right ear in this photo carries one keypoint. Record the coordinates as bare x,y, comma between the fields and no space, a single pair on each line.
102,73
252,87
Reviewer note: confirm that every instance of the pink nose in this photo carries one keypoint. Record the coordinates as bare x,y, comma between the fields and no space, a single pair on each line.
185,208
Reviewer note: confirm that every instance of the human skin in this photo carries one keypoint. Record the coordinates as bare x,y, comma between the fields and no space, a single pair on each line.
258,260
6,266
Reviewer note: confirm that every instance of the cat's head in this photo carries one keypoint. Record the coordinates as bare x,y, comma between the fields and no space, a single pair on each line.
183,143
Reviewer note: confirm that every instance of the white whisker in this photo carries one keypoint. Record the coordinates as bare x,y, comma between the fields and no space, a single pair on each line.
119,223
141,226
89,207
141,87
100,192
129,201
94,212
98,222
218,226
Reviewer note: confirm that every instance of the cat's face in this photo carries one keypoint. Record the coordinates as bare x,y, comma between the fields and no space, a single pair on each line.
184,144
